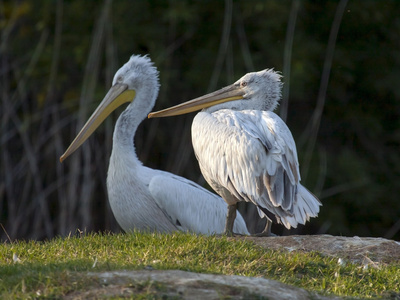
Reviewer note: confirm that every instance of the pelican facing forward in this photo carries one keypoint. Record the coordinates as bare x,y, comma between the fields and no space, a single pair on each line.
247,153
142,198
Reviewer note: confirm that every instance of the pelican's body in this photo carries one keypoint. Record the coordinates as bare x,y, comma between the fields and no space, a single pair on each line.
247,153
142,198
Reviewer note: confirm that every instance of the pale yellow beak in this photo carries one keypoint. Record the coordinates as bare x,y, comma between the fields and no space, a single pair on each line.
229,93
116,96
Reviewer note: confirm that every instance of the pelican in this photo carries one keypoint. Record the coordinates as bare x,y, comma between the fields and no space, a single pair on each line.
247,153
142,198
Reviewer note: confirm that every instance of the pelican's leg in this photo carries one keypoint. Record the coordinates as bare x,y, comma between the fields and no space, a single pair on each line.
230,219
267,230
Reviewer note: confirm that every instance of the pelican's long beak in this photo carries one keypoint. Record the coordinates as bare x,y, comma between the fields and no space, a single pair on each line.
229,93
116,96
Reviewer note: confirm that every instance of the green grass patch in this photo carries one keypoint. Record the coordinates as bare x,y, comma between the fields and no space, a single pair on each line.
57,267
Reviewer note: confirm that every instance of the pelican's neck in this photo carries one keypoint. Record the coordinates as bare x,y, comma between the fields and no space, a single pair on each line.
124,132
127,124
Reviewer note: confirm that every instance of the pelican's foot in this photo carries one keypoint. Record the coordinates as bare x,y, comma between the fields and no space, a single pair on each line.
224,234
264,234
232,234
266,231
228,233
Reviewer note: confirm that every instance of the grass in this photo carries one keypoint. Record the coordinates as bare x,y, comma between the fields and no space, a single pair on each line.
58,266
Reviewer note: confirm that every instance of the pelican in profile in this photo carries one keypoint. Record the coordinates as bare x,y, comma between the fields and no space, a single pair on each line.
142,198
247,153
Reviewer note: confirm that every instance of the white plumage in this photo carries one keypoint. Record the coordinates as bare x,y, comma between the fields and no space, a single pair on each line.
247,153
142,198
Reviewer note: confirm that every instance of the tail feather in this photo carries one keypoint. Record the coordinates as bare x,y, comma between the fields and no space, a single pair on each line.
306,207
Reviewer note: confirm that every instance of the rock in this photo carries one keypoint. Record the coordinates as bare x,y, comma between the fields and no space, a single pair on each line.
355,249
189,285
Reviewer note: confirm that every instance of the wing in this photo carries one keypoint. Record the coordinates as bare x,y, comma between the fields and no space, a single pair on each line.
191,207
253,155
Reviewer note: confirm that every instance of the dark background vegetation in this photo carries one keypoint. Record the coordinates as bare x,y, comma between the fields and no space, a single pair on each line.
341,67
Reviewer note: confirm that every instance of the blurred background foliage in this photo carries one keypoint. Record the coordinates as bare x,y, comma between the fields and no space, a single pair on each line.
341,66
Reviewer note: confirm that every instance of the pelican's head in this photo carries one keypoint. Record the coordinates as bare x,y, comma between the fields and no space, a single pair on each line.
136,78
139,75
257,91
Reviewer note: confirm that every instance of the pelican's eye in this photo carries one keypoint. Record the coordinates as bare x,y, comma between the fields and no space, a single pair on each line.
119,79
243,84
